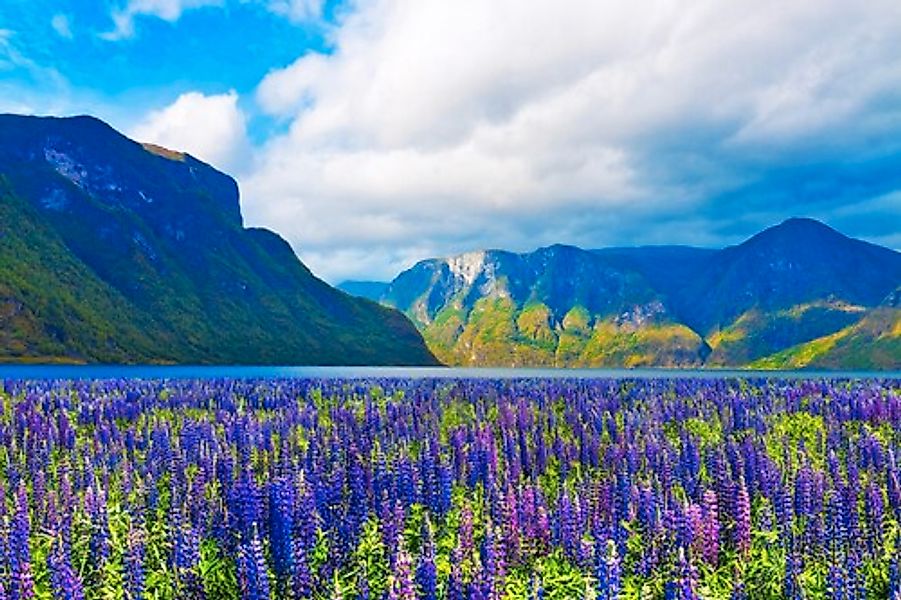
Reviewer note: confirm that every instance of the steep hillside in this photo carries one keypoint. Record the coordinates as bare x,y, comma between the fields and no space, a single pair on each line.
874,342
557,306
793,283
135,253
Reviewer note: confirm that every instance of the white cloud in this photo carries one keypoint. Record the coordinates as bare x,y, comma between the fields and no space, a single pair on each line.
168,10
298,11
210,128
435,124
62,26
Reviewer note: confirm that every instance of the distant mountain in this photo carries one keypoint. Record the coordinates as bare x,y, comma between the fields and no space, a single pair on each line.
796,262
556,306
789,285
371,290
116,252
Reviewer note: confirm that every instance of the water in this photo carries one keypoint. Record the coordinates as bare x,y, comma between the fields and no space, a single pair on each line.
244,372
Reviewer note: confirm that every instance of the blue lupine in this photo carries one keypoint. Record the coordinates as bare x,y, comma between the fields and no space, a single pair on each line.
21,581
427,573
281,526
252,573
608,572
134,563
63,579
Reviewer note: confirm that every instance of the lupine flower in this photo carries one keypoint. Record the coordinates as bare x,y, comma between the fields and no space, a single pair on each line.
21,582
894,578
252,574
63,580
281,526
426,573
301,577
402,585
134,563
791,586
494,569
608,572
743,519
286,475
711,528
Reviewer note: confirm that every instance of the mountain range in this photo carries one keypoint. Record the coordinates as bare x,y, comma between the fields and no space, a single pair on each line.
796,295
114,251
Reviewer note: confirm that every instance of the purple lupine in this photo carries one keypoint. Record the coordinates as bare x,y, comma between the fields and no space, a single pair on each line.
281,526
253,577
21,581
186,563
301,576
493,567
711,528
64,580
511,527
99,544
608,572
402,586
791,586
134,562
836,584
456,587
426,572
687,577
894,578
465,542
743,519
568,526
246,506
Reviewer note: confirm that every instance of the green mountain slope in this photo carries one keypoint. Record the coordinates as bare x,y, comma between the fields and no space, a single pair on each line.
757,333
653,306
557,306
874,342
138,254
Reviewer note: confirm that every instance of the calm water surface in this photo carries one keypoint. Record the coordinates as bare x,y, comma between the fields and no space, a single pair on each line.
208,372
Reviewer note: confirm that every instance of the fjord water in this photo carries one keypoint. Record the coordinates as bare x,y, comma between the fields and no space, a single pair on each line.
352,372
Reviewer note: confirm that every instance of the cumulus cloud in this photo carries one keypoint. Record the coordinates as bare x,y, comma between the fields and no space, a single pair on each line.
211,128
435,126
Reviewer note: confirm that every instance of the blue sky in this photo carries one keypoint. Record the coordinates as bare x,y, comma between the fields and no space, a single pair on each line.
373,133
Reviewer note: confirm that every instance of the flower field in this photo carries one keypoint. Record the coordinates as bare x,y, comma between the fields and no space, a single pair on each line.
458,489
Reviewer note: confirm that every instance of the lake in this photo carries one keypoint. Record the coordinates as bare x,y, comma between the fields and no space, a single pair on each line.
246,372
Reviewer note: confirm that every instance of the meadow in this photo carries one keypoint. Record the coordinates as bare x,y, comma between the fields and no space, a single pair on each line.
450,488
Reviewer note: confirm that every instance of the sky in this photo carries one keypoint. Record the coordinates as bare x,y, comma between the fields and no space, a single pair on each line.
375,133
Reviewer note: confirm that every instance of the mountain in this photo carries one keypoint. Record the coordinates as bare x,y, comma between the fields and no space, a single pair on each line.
872,342
371,290
792,284
556,306
114,251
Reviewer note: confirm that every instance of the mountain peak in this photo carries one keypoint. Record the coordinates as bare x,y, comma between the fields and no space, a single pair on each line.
796,230
804,224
